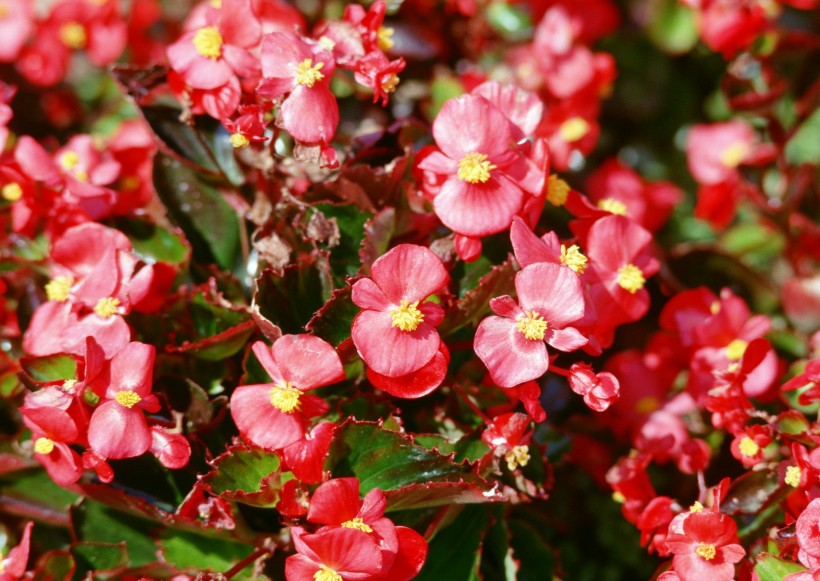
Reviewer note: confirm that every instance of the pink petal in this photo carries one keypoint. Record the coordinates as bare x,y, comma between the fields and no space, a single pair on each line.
566,339
554,291
63,464
265,356
132,368
367,295
389,350
505,306
471,124
260,422
307,361
172,450
281,52
335,502
478,209
528,247
409,272
418,383
238,24
311,115
116,431
522,108
510,357
241,61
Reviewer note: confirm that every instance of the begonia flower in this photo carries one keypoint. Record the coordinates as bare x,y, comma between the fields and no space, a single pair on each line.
599,390
274,415
334,553
714,151
13,566
395,332
707,548
513,345
16,25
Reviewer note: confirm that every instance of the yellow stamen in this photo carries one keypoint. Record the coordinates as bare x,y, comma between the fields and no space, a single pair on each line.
696,507
647,405
407,317
238,140
72,34
58,288
106,307
208,42
127,398
518,456
630,278
748,447
574,258
474,168
793,476
69,160
714,308
43,446
68,385
573,129
532,325
130,183
4,11
216,4
307,74
285,397
11,192
706,551
736,349
326,574
557,191
327,44
618,497
613,206
385,36
357,524
389,85
734,154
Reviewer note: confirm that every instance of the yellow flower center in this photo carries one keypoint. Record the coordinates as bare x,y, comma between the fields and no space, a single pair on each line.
69,160
407,317
43,446
216,3
557,191
12,192
326,574
238,140
706,551
72,34
4,11
127,398
532,325
697,507
748,447
630,278
736,349
518,456
613,206
574,258
573,129
714,308
389,86
308,74
357,524
385,36
68,385
474,168
58,288
734,154
285,397
618,497
327,44
208,42
793,476
647,405
130,183
106,307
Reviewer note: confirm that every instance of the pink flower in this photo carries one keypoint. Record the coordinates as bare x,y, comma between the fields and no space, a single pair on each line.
714,151
16,25
302,71
512,345
333,553
118,428
273,415
599,390
395,331
212,54
13,567
707,549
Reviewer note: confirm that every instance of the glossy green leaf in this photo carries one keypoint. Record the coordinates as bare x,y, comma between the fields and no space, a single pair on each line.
333,321
10,385
455,552
154,243
96,556
55,566
195,553
533,555
50,368
475,302
209,222
771,568
804,145
34,495
674,27
510,21
95,522
247,475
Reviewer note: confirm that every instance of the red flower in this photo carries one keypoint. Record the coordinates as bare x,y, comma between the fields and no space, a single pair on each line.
395,331
16,25
807,530
273,415
599,390
292,66
509,435
13,567
707,549
53,429
306,457
333,554
714,151
512,345
212,54
118,428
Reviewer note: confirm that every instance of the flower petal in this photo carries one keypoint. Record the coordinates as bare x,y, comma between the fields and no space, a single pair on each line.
510,358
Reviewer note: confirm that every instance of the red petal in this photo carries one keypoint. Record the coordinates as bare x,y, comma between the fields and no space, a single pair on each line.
307,361
389,350
409,272
554,291
478,209
117,432
132,368
335,502
260,422
510,358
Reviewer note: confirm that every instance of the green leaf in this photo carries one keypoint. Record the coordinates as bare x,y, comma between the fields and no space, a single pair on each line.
804,146
95,556
152,243
50,368
204,142
455,552
34,494
54,566
674,27
95,522
344,251
378,232
247,475
410,475
475,302
511,22
333,321
751,492
792,422
219,330
209,222
194,553
771,568
534,556
289,297
10,385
